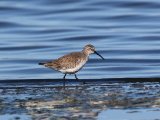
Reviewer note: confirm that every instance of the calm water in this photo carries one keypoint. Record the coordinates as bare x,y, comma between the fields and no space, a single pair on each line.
125,32
130,114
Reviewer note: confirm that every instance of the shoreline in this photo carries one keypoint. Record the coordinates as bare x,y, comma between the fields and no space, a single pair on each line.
106,80
50,102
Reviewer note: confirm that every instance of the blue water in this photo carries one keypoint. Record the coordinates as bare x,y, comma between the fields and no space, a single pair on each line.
130,114
125,32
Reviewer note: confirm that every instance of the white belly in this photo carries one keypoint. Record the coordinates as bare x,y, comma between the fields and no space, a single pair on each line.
75,69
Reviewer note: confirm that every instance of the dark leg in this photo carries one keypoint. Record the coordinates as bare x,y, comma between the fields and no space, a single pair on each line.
64,78
76,76
78,79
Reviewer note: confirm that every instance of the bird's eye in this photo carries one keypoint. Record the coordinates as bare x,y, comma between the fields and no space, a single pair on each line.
92,49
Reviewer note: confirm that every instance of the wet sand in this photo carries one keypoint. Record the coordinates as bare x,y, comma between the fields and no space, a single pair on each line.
76,102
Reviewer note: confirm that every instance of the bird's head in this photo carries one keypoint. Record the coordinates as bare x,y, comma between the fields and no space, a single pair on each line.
89,49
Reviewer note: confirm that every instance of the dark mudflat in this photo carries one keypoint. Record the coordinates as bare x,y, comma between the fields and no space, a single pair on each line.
46,99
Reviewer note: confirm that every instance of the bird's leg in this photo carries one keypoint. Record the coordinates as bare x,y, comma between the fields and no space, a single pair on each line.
76,76
78,79
64,78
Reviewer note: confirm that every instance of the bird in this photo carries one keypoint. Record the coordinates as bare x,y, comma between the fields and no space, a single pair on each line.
71,63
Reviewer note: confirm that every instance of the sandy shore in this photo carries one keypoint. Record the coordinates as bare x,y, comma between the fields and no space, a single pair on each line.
76,102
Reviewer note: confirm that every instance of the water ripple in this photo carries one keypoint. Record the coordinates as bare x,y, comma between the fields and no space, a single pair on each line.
125,32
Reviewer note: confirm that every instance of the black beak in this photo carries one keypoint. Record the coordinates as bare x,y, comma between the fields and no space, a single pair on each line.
98,55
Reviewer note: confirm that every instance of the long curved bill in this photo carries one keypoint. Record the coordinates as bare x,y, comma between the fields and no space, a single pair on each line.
98,55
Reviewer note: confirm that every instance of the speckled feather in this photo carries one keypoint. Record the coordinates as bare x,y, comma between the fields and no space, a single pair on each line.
73,62
68,62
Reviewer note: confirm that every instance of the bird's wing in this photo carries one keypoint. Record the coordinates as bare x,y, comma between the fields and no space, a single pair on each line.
70,61
66,62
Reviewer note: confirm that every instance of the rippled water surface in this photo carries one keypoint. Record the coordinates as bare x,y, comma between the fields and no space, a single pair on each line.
125,32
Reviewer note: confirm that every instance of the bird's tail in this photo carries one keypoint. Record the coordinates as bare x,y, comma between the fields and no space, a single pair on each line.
41,63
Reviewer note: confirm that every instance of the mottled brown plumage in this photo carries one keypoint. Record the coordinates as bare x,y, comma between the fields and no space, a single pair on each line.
73,62
66,62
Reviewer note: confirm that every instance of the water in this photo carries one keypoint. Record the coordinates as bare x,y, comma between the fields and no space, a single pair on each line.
15,117
125,32
130,114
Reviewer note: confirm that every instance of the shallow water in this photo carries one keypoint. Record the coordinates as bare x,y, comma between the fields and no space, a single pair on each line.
15,117
87,102
125,32
130,114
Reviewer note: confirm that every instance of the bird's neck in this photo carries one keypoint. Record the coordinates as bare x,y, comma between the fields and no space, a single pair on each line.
86,53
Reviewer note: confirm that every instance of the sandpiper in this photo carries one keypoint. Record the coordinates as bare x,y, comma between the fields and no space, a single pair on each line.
71,63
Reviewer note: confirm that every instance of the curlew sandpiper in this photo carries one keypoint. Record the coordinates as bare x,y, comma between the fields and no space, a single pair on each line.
71,63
